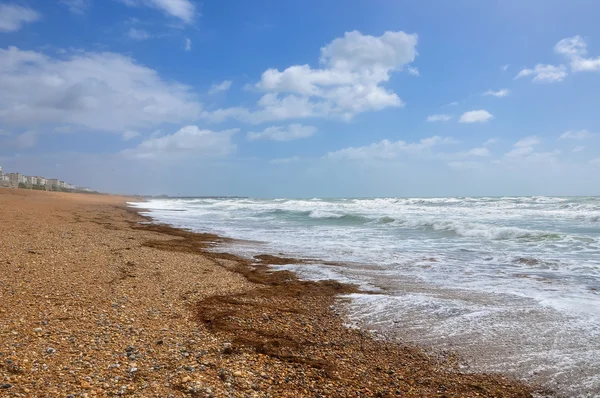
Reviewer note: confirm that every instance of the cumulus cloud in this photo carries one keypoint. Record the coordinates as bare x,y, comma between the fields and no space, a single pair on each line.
387,150
130,134
500,93
223,86
523,147
355,68
574,49
13,17
438,118
483,152
77,6
544,73
576,135
181,9
478,116
138,34
579,148
281,133
188,141
93,91
188,44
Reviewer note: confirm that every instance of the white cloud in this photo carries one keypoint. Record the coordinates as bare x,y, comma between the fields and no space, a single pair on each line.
273,107
13,17
189,140
544,73
576,135
413,71
129,134
500,93
479,152
138,34
505,67
292,159
595,162
491,141
524,147
281,133
438,118
223,86
182,9
93,91
478,116
387,150
77,6
453,103
574,49
188,44
579,148
355,67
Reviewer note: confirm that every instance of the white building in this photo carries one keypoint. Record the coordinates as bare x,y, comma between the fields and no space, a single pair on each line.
52,183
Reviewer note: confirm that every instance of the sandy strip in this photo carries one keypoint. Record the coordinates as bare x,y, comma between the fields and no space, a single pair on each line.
93,303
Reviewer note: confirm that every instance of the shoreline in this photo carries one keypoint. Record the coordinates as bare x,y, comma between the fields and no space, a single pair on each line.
228,325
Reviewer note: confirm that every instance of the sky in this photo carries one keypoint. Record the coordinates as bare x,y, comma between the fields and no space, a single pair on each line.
303,98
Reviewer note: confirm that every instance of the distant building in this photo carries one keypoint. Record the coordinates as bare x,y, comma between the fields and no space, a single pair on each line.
53,183
15,179
4,179
41,181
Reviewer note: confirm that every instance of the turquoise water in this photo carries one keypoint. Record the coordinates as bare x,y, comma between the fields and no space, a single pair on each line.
509,271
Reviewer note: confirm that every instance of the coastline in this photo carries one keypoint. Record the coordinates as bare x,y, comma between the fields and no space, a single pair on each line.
95,303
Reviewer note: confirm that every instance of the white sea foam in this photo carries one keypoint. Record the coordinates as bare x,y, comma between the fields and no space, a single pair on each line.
463,271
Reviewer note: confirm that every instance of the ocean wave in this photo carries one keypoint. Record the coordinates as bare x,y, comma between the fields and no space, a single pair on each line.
337,217
475,230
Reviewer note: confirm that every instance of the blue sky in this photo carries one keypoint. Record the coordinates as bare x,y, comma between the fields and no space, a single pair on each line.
303,98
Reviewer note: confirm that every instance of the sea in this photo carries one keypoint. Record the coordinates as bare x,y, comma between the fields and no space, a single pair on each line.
512,284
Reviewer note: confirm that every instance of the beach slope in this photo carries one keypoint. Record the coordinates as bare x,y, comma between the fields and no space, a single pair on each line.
95,303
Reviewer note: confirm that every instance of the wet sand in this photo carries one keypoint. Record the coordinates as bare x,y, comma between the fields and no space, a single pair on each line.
95,303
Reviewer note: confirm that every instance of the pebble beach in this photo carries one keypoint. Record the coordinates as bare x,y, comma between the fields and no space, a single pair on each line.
95,301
